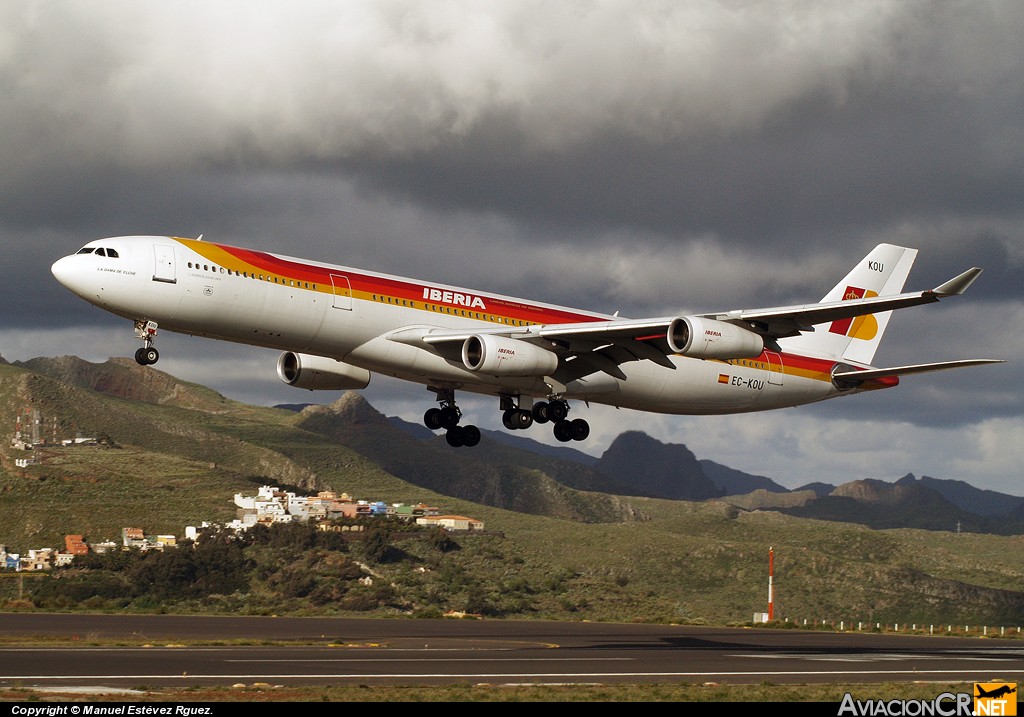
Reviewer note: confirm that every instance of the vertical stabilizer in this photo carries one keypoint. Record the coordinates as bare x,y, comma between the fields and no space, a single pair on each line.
882,272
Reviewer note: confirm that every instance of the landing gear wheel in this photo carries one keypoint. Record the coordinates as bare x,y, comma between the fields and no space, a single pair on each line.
516,419
558,410
540,412
470,436
432,419
563,431
147,356
449,417
459,436
522,419
579,429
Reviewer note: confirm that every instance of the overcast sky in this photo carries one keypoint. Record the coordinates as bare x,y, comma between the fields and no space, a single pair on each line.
649,158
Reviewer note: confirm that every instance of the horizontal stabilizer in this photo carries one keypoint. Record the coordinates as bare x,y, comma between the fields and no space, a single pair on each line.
858,376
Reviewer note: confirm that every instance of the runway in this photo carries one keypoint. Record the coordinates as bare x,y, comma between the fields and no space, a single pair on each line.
175,651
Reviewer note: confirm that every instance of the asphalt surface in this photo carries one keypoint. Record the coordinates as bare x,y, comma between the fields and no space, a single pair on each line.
81,650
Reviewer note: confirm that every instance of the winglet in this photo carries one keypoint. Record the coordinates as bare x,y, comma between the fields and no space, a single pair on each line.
958,284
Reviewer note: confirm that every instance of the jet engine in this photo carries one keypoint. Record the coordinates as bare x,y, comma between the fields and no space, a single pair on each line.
320,373
709,339
500,356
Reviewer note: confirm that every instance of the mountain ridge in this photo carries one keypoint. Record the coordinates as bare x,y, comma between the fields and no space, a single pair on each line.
633,465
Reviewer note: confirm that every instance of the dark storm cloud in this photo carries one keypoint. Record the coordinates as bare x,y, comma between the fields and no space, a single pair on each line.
779,132
811,174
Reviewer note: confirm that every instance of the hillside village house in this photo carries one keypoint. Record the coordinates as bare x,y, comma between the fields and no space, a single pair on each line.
270,505
452,522
75,545
41,559
273,505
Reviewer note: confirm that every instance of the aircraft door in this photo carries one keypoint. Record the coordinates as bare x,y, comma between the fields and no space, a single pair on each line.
342,292
775,368
163,269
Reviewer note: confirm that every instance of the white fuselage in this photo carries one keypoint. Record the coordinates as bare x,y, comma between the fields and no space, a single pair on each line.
361,318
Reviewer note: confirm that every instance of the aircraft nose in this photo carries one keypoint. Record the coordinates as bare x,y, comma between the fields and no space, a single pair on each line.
69,272
63,270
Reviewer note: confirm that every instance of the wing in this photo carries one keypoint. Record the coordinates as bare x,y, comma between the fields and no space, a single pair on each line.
617,341
591,346
781,322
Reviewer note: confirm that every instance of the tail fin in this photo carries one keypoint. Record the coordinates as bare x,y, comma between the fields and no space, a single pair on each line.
880,273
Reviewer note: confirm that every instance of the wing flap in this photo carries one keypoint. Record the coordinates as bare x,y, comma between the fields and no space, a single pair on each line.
608,330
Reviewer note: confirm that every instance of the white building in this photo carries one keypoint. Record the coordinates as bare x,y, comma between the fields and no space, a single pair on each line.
452,522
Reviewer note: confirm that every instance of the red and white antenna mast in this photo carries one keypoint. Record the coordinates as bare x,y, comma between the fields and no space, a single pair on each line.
771,575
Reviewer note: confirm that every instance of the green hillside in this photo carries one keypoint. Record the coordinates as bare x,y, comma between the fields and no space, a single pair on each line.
176,453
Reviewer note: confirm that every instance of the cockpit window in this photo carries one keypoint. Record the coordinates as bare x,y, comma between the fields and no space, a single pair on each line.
100,251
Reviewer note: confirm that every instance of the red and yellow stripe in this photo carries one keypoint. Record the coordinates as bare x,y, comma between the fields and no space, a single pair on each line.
372,287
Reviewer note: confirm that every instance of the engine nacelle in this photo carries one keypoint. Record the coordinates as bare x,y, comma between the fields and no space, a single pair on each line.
709,339
500,356
320,373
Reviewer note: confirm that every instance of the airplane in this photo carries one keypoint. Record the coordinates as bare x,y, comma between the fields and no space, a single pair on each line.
337,325
995,692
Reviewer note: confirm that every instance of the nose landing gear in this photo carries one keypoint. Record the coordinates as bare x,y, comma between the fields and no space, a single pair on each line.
147,355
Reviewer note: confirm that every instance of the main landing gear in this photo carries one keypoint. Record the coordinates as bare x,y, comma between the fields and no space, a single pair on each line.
447,416
147,355
555,411
514,418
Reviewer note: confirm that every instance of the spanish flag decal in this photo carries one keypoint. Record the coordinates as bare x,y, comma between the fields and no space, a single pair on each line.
723,378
